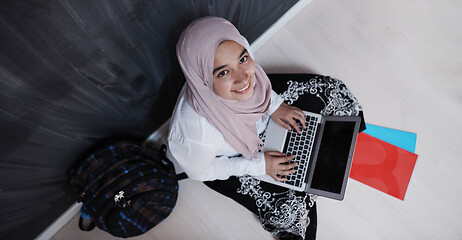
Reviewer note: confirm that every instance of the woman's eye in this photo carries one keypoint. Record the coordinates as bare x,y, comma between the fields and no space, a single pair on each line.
243,59
222,73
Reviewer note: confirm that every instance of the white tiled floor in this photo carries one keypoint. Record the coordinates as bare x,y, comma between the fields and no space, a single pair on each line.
403,61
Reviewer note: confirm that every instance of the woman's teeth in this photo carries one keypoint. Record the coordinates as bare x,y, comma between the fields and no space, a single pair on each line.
245,88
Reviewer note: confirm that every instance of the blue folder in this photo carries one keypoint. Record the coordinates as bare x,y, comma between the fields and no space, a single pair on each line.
402,139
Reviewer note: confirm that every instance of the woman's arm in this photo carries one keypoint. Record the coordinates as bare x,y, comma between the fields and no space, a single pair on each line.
276,101
203,152
199,160
286,115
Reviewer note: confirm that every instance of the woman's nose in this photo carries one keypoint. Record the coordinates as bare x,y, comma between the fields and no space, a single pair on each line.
241,76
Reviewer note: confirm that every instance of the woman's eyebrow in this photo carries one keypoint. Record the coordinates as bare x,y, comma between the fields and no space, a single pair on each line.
243,52
218,68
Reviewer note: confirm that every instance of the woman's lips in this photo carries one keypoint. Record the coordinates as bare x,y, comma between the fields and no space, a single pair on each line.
244,89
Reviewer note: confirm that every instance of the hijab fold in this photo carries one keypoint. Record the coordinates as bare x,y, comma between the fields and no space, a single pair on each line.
236,120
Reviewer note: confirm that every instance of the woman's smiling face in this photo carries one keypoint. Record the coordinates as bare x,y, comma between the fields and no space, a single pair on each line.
233,72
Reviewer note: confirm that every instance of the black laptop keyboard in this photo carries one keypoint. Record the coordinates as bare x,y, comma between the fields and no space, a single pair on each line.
301,145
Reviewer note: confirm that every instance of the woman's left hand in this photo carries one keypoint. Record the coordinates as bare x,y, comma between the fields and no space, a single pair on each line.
286,115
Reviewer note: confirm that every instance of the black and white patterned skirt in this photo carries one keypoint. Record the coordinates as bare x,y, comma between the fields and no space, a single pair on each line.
286,213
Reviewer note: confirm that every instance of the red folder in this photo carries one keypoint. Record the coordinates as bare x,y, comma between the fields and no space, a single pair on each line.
382,166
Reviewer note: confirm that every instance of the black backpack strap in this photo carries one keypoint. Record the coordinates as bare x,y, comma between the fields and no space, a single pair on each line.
86,224
181,176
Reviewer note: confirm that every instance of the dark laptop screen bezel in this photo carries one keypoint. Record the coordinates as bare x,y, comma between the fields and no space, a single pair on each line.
325,193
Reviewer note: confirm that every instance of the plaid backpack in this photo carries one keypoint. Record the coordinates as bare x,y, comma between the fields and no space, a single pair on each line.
126,188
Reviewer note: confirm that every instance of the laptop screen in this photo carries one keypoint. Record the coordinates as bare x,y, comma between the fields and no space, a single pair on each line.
333,155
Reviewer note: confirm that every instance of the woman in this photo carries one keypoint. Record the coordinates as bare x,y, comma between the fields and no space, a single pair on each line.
218,122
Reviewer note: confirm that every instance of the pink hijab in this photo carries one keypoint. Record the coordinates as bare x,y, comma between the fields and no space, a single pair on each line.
234,119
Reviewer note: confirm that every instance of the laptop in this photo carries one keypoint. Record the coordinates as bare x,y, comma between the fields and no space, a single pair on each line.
324,151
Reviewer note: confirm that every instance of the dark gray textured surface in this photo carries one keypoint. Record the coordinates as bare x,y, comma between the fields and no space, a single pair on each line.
73,73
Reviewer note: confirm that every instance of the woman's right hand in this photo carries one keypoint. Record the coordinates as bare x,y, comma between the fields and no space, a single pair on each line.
277,165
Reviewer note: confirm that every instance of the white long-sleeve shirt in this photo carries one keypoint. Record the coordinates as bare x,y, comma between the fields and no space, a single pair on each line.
201,149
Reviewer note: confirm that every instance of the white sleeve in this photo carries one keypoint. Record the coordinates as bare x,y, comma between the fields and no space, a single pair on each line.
276,101
202,151
195,158
200,161
238,166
